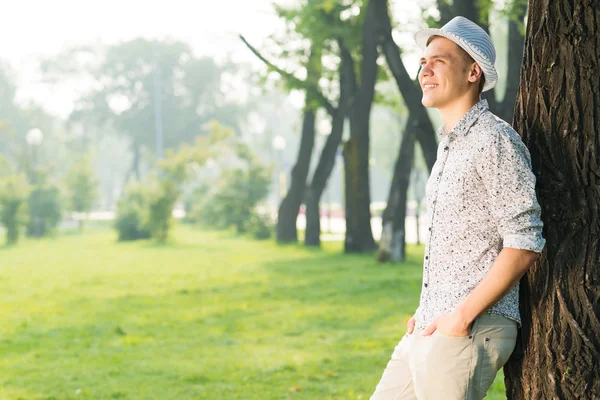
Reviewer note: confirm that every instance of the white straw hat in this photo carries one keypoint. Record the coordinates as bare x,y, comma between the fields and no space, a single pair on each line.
473,39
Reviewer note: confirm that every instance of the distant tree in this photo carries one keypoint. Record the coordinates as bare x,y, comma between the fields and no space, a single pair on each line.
82,186
158,94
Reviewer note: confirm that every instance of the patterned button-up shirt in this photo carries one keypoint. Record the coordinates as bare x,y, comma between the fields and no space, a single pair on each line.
481,198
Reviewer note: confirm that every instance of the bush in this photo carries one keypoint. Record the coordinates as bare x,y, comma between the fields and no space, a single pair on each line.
261,226
163,197
132,221
233,201
14,191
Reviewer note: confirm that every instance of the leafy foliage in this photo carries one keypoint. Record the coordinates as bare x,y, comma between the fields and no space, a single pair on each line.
235,198
230,198
135,75
147,207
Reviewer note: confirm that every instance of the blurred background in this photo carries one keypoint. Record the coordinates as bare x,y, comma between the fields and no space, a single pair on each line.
91,91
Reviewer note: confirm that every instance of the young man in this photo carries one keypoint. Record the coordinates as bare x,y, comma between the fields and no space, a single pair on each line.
484,231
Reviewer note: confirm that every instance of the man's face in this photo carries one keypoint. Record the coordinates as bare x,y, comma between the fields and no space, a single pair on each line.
444,75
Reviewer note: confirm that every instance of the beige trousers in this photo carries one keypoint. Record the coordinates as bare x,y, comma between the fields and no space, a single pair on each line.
440,367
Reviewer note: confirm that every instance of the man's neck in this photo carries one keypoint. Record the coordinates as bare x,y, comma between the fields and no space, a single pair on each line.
452,113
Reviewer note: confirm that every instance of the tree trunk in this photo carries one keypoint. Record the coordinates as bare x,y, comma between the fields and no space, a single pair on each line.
134,169
290,206
558,116
411,92
359,236
320,178
327,160
516,41
288,210
393,240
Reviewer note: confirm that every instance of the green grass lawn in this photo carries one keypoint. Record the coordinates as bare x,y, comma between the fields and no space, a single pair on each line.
209,316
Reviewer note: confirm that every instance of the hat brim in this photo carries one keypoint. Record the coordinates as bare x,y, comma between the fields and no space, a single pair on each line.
487,67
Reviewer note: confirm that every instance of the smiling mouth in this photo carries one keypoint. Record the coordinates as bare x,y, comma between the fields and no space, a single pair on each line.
429,87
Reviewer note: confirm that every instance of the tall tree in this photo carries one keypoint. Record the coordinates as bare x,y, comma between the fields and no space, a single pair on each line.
392,245
393,238
286,230
328,154
557,114
288,209
319,24
359,235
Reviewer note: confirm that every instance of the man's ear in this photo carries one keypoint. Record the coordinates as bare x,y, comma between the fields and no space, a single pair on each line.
475,72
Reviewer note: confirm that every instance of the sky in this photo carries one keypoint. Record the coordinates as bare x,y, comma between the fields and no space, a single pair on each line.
32,29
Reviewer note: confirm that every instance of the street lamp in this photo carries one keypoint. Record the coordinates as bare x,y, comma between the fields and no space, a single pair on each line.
279,145
34,138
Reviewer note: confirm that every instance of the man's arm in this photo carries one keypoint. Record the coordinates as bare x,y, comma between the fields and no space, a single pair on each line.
510,265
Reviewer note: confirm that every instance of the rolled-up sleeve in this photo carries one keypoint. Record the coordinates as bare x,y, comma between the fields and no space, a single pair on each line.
505,168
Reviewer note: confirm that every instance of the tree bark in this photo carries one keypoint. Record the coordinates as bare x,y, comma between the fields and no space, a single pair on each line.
320,178
393,240
327,159
359,236
558,116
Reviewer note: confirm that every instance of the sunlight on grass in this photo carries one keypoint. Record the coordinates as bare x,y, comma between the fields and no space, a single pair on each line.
208,316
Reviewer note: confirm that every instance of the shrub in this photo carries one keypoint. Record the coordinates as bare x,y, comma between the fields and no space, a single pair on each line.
14,191
261,226
233,201
132,221
164,195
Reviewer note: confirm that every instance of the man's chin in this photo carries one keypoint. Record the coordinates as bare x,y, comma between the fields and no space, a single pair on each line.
427,102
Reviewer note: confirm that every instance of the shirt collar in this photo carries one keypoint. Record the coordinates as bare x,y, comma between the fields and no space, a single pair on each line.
467,120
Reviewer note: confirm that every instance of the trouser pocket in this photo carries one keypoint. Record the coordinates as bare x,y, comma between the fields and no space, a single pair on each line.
495,344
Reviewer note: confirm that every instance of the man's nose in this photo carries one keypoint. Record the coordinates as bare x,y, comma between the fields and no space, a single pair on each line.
425,70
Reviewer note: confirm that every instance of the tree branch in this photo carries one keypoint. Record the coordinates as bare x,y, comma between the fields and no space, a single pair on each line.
312,89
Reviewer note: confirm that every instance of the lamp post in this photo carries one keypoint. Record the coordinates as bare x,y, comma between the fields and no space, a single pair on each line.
34,138
279,145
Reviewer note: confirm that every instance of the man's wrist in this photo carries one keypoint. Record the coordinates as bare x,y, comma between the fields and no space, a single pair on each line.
465,315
